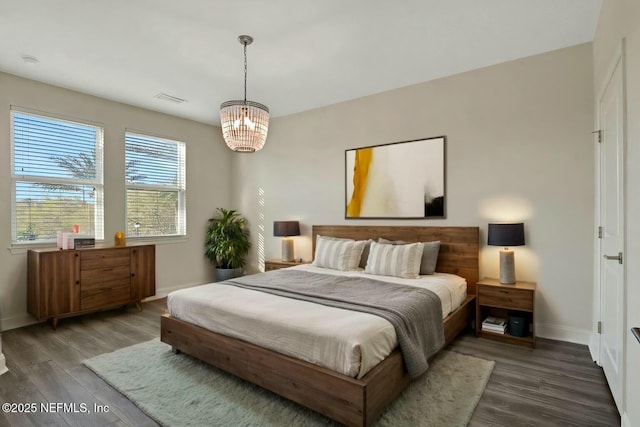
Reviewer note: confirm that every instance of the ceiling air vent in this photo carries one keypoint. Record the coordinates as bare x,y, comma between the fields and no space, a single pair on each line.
170,98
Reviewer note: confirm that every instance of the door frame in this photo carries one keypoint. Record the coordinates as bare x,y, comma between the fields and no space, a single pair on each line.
618,59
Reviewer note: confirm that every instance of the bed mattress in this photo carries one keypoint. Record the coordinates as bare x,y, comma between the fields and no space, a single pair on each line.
344,341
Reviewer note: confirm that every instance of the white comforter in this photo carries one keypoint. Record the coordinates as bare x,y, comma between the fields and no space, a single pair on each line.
345,341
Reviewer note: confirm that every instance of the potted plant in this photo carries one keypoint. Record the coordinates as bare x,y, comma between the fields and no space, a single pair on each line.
227,243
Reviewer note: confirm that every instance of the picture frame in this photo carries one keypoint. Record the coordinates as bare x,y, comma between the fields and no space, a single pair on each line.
398,180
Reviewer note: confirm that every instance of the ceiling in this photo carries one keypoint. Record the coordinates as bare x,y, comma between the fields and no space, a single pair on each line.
306,53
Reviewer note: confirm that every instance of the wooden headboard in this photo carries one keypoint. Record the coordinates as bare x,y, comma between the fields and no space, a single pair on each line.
459,246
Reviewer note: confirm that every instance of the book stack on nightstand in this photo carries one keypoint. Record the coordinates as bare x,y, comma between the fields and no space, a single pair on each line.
497,325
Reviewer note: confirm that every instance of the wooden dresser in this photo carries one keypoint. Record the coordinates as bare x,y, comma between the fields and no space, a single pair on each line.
62,283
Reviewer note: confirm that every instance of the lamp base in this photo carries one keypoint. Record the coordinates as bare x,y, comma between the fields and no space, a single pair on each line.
287,249
507,268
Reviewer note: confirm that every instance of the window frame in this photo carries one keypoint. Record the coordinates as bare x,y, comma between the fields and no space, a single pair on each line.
180,188
98,183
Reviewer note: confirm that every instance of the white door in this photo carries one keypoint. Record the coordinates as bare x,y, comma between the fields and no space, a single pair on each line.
612,288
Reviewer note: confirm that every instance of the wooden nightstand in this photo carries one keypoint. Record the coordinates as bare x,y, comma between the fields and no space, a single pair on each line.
497,299
275,264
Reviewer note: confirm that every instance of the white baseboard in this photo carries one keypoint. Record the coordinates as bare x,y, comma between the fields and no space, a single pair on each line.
594,348
3,364
18,321
3,361
163,292
26,319
624,421
563,333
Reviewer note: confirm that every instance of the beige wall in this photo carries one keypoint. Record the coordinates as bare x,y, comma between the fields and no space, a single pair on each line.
621,19
519,147
179,263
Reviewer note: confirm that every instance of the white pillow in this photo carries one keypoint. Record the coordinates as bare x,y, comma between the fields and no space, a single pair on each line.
338,254
429,254
395,260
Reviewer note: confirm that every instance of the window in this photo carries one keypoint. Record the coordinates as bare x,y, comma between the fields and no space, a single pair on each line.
155,178
56,177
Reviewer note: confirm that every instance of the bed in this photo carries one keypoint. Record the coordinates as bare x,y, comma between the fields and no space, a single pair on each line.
347,399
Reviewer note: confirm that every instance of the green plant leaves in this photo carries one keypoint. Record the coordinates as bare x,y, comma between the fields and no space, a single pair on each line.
227,240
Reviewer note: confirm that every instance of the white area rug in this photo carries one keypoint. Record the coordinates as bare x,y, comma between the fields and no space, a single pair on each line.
178,390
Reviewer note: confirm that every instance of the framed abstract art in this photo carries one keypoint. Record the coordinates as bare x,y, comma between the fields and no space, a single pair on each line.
400,180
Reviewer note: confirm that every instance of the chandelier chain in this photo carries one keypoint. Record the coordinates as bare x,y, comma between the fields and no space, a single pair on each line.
244,123
245,71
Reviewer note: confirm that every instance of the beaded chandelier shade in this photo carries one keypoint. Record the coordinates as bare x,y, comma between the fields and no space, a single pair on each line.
244,123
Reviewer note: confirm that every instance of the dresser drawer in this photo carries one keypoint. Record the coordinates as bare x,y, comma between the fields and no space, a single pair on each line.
105,277
96,298
104,258
515,299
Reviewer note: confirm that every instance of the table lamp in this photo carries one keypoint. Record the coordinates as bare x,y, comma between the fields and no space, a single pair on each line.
286,229
506,235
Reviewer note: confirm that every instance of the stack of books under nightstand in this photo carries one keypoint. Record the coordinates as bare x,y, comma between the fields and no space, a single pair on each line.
497,325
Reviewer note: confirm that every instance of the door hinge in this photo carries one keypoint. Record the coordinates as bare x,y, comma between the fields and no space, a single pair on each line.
599,327
600,232
599,132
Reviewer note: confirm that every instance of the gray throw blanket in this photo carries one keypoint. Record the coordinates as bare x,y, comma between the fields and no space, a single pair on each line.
415,313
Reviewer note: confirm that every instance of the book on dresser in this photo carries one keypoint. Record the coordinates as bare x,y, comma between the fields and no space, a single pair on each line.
495,324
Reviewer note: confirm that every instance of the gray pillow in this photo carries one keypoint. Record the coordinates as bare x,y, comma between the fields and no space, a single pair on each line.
429,257
391,242
429,254
365,254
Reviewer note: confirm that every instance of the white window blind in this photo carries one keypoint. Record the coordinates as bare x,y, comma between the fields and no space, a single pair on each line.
155,170
56,177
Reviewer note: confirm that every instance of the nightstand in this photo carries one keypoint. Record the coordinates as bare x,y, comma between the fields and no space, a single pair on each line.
498,300
275,264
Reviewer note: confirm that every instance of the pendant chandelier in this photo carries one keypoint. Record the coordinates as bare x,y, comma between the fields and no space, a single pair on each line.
244,123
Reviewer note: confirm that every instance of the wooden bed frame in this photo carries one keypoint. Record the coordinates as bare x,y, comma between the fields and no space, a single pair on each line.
350,401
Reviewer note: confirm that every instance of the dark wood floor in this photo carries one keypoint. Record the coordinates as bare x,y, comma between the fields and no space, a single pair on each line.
555,384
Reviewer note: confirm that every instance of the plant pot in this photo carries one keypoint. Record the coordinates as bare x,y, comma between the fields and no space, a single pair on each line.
227,273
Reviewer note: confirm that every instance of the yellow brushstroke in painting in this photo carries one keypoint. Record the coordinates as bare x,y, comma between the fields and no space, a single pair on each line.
360,174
